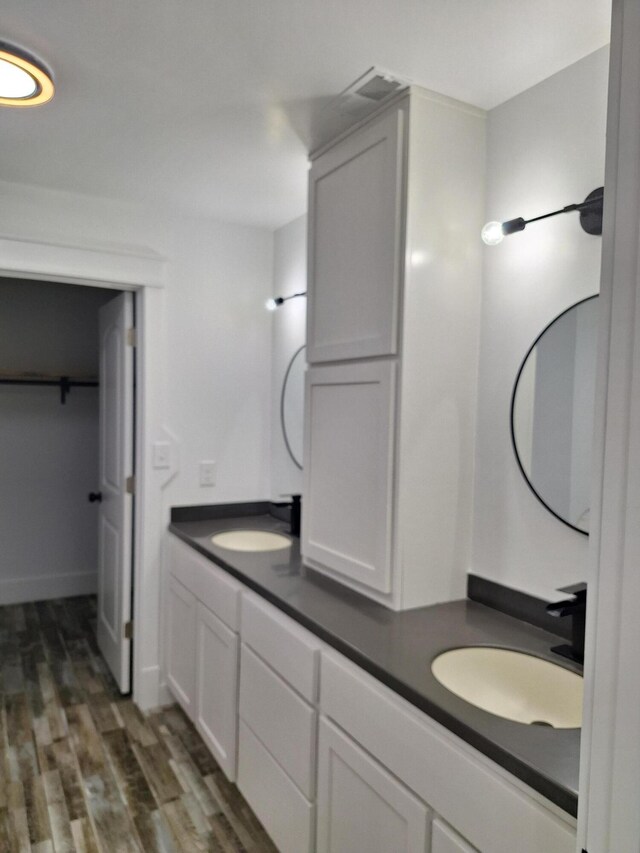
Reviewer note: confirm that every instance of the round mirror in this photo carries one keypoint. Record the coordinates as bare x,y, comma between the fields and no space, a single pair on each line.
292,406
552,413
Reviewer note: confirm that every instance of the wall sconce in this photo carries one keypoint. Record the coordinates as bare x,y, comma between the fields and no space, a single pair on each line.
277,301
590,211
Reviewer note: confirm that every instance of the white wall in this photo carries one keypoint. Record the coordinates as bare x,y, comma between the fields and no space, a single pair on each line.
289,333
48,451
545,150
206,368
217,378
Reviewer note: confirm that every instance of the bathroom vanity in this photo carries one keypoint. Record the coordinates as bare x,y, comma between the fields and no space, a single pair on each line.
322,706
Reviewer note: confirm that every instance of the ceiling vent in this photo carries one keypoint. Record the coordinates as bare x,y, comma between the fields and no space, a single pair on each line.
356,102
379,87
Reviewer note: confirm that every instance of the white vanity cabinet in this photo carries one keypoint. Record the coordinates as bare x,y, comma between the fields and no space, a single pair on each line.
329,758
374,739
181,644
278,724
217,656
394,282
203,647
361,806
446,840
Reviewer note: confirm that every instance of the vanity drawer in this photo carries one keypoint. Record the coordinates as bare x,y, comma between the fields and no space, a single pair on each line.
293,652
284,812
283,721
214,587
460,784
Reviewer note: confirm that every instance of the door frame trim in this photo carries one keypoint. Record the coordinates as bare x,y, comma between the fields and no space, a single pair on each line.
122,271
608,817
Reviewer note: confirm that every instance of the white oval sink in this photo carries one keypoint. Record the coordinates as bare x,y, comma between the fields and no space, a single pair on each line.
251,540
513,685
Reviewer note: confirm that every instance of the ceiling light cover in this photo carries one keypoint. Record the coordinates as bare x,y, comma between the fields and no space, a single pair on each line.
23,81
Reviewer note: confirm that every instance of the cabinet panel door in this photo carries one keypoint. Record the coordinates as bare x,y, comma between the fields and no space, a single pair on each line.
445,840
360,805
181,644
217,688
349,471
355,233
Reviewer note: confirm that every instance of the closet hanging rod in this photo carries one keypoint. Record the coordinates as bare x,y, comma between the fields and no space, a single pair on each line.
65,383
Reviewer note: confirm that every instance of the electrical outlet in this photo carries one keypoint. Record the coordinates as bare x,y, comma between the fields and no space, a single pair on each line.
161,454
207,473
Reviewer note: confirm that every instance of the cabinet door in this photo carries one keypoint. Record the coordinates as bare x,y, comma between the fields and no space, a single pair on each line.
217,689
355,233
445,840
349,471
360,805
181,644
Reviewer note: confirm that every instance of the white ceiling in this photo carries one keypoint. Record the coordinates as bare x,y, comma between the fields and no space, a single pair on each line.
206,105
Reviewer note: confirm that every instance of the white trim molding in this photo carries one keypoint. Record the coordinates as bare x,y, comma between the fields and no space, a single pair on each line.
609,817
142,270
77,264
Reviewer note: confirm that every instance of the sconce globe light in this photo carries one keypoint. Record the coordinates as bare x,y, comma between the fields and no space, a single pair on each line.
277,301
492,233
590,211
24,81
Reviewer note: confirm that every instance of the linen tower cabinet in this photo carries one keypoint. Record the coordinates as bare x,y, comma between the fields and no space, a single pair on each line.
394,285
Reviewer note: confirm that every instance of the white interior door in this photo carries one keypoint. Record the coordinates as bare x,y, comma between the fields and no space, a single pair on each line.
116,506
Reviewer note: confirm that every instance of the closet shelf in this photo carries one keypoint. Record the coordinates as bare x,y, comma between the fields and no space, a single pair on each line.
64,383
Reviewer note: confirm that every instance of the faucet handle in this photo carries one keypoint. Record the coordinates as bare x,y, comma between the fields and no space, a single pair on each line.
576,608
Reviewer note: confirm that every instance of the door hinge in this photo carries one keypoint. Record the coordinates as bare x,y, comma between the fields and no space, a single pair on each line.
132,337
128,630
130,485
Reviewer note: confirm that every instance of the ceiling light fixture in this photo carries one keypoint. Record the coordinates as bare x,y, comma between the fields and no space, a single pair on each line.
24,81
277,301
590,211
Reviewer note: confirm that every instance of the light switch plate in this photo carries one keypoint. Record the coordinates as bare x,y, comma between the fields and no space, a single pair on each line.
162,454
207,473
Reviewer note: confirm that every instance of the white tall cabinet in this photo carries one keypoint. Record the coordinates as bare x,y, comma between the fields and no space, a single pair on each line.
395,211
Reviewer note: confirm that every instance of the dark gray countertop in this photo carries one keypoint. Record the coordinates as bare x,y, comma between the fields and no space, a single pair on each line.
397,648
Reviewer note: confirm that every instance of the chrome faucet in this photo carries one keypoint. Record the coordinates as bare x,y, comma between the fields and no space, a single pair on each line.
575,607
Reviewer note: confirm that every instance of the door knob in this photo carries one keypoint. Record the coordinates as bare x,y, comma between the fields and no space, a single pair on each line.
95,496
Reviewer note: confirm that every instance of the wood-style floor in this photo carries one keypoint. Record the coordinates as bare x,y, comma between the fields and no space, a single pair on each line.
83,770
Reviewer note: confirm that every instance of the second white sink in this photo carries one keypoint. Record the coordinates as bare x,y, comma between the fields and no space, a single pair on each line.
251,540
513,685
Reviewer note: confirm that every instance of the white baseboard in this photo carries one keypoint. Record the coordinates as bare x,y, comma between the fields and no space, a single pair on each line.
45,587
149,691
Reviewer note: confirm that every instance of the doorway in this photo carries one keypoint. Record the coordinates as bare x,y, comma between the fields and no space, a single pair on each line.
66,437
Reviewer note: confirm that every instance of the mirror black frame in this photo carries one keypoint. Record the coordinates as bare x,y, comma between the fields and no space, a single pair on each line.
512,413
283,424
